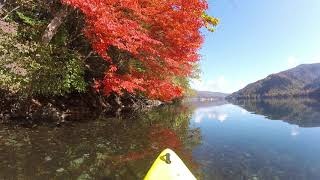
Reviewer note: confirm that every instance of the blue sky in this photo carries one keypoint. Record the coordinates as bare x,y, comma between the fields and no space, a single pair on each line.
256,38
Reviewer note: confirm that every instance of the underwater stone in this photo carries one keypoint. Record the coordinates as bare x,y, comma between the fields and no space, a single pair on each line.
60,170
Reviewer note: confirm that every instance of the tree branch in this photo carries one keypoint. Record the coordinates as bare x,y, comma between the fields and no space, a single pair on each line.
10,12
54,25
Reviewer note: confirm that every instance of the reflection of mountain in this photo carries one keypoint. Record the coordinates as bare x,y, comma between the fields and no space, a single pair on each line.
302,112
202,104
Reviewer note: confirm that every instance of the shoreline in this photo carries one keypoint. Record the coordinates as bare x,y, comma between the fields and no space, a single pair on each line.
68,108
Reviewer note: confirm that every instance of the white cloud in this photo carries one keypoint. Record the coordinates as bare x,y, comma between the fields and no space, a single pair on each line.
220,84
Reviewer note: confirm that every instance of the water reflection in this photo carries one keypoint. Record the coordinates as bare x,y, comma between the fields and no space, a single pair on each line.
302,112
115,148
295,131
251,145
216,140
209,113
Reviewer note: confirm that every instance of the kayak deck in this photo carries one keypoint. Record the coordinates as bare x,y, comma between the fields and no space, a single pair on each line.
169,166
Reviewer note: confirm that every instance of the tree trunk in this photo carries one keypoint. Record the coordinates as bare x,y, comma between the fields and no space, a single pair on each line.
54,25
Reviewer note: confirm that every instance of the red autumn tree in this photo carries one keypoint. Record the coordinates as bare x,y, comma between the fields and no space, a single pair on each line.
148,43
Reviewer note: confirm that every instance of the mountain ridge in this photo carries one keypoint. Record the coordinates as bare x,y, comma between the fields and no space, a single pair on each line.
303,80
210,94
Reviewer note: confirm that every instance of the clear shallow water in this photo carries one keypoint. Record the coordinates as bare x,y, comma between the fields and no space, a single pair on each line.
273,139
239,144
106,148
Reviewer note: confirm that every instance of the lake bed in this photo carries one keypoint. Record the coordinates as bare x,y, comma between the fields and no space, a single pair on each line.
272,139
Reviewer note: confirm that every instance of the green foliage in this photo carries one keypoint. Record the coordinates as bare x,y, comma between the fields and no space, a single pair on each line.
61,37
184,82
12,72
210,22
31,27
58,75
26,19
32,69
29,68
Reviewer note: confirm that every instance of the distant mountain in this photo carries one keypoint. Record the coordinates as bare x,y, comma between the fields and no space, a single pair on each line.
303,80
208,94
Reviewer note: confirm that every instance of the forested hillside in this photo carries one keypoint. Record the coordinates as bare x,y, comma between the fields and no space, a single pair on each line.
303,80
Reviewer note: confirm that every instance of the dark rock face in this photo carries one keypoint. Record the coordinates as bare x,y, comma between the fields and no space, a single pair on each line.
303,80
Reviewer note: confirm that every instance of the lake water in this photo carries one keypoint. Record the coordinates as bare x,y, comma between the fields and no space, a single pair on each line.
252,140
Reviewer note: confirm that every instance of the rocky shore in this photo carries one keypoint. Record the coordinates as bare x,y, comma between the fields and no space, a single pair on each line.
71,107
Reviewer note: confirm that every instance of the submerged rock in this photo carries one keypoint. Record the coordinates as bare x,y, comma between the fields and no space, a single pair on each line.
75,164
47,158
84,177
60,170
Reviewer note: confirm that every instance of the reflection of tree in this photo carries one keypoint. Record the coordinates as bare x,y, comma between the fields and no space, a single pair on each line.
302,112
119,148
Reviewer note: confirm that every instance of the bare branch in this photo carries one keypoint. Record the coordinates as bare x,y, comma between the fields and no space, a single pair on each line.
54,25
14,9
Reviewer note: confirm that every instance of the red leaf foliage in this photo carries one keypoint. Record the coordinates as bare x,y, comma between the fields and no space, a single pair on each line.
163,35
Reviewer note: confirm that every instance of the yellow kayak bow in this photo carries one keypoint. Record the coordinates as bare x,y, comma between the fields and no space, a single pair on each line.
168,166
